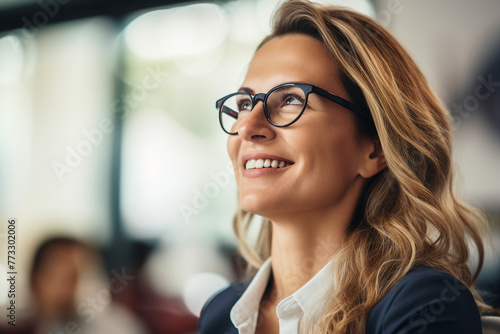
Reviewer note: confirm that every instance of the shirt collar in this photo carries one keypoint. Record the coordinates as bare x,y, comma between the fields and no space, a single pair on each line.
310,297
247,307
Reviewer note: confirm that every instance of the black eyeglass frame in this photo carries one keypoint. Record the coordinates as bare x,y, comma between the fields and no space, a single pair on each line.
307,88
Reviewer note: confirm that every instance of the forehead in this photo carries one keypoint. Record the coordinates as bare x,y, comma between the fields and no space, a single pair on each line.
292,58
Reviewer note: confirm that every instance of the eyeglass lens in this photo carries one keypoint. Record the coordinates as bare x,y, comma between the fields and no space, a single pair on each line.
283,106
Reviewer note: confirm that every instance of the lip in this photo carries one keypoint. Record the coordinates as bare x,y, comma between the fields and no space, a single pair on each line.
262,171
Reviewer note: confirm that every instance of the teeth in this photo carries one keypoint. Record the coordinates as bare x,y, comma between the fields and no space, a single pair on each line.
250,164
266,163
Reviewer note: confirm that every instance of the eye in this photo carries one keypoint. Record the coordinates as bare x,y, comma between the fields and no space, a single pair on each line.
293,100
286,100
244,104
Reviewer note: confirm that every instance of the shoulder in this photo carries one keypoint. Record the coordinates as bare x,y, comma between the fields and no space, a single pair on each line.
214,317
428,301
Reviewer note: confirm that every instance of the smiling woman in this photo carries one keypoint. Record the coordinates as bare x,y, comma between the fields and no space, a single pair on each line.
338,142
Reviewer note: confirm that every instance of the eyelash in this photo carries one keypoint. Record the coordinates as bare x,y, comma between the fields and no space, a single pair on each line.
242,102
286,95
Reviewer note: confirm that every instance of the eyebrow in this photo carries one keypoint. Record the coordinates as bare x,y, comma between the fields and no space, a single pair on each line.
246,90
252,92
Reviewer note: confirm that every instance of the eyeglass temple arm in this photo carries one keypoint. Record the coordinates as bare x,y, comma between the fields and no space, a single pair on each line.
340,101
226,110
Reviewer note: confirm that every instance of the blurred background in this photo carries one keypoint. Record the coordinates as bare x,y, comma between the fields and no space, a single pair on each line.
113,165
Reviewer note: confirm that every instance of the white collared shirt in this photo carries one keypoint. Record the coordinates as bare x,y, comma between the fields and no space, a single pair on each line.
307,301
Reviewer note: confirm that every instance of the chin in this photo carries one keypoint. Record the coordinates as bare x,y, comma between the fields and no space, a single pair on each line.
262,209
254,204
252,208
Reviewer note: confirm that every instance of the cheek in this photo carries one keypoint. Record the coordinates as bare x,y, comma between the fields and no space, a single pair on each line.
233,145
330,157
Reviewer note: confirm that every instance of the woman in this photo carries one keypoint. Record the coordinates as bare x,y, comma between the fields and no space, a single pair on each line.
338,142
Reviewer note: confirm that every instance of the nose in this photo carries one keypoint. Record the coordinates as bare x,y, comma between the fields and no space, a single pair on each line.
255,127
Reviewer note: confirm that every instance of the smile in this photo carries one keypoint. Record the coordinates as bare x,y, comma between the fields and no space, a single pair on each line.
266,163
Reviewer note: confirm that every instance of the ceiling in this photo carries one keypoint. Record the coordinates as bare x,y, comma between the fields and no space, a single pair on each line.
15,14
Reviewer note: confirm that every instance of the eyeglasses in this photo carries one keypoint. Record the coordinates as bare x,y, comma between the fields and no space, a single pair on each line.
283,105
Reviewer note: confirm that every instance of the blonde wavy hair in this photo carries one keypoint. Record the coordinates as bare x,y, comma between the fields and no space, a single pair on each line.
408,215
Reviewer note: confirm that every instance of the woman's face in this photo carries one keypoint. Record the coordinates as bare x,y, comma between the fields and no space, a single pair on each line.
323,145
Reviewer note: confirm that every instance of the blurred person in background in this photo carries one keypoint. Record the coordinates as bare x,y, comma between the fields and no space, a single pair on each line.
68,294
56,268
339,143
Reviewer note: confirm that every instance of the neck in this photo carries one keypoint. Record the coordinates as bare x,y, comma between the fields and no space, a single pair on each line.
298,255
304,243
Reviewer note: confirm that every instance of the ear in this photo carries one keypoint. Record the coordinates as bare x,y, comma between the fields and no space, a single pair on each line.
373,159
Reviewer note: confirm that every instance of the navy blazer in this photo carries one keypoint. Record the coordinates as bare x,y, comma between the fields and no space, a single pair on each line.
426,301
